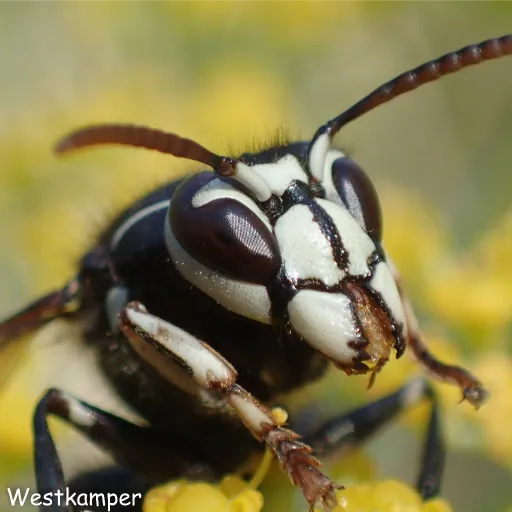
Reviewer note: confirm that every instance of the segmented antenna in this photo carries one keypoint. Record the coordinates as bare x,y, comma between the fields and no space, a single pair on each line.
427,72
164,142
143,137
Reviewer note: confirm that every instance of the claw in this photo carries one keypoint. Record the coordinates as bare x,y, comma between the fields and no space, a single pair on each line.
318,488
476,395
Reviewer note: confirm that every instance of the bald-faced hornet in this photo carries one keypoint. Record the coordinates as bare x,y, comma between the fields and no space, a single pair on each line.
213,295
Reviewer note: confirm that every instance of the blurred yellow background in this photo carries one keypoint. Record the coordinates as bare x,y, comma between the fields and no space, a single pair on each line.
227,75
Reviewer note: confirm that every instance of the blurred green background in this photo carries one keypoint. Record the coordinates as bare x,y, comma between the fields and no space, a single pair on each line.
230,74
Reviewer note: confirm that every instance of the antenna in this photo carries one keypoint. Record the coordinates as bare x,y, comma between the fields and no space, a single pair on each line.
423,74
164,142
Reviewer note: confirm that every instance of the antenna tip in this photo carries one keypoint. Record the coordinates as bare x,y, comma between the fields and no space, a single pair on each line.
62,146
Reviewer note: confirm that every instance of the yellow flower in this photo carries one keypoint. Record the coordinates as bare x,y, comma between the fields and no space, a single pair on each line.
231,495
417,246
469,296
386,496
234,495
469,291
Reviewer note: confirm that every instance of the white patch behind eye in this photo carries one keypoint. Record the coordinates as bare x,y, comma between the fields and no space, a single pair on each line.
384,284
280,174
306,252
317,155
326,322
136,217
331,193
354,238
246,299
218,189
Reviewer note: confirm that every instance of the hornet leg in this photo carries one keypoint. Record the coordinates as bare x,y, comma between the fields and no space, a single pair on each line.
158,339
137,447
355,427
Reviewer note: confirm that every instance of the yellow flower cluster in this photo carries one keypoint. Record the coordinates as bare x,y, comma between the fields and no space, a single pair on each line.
234,495
470,292
475,292
468,295
386,496
231,495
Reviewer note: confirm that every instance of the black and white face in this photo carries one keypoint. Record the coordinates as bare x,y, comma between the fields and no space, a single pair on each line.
309,257
292,235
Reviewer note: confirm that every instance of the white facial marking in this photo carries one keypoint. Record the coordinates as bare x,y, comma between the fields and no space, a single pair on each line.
203,361
218,189
249,411
384,284
78,413
304,249
136,217
331,193
280,174
254,182
317,156
246,299
326,322
354,238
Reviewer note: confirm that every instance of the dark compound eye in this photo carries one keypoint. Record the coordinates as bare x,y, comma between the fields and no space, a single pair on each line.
224,234
359,195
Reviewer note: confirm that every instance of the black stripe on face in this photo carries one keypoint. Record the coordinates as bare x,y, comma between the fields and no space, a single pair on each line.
397,326
300,193
282,290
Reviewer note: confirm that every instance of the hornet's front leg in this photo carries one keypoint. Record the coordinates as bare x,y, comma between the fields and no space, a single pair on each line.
472,389
214,374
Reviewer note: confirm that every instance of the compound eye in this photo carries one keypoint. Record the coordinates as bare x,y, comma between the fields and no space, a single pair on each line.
359,196
224,235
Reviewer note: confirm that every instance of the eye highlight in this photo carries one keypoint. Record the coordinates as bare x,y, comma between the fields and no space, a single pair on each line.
225,235
359,196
